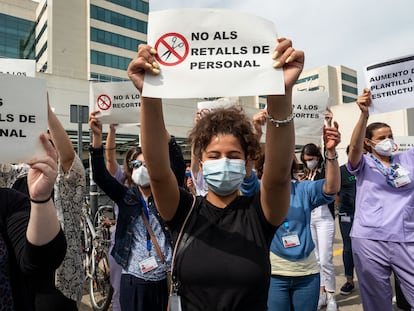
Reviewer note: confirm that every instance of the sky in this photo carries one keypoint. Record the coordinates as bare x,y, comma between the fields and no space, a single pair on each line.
352,33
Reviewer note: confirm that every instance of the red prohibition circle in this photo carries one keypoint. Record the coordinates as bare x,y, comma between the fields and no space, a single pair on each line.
104,102
171,49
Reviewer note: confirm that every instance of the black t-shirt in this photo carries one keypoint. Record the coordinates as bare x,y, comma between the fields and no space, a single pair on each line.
347,192
226,264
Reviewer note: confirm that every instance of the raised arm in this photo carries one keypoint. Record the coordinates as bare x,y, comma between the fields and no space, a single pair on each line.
332,138
356,146
110,151
61,140
154,137
280,140
43,223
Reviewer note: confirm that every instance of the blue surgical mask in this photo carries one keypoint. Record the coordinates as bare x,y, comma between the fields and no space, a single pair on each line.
224,176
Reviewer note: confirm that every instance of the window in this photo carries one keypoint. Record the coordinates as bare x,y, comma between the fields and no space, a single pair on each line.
118,19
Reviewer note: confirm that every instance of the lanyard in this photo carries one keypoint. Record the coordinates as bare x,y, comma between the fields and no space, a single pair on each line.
286,225
146,213
388,173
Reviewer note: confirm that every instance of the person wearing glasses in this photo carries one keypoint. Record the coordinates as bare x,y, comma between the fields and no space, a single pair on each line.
123,174
143,284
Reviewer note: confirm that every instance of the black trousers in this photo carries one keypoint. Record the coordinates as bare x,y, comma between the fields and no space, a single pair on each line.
54,300
140,295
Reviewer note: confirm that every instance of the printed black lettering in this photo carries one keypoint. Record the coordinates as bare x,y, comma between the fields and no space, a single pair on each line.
197,36
27,119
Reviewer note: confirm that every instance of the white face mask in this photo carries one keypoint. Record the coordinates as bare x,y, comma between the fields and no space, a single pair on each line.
141,177
385,147
312,164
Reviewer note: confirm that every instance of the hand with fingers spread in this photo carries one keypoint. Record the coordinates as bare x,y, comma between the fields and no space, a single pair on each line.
43,172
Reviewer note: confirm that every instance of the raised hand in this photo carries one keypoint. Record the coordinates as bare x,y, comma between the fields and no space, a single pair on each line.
43,172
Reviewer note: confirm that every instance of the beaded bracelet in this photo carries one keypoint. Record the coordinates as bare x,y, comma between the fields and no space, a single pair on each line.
41,201
278,123
335,157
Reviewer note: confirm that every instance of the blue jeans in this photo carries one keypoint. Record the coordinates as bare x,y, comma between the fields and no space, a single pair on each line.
345,227
298,293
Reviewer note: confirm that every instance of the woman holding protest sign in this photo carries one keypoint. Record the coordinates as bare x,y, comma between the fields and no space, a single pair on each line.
31,241
383,229
223,260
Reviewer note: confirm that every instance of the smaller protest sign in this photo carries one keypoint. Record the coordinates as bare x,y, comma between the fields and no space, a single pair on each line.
404,143
117,102
23,116
18,67
208,106
392,84
309,109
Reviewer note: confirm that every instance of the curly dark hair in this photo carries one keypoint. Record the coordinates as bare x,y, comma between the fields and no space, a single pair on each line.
369,132
130,155
230,120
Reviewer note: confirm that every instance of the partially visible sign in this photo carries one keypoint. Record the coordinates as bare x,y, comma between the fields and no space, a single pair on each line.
117,102
391,84
208,106
309,108
18,67
212,53
23,116
404,142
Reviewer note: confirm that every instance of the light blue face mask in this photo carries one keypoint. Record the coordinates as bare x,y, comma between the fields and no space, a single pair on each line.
224,176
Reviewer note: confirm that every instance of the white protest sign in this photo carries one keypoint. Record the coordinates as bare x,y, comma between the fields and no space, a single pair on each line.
404,142
212,53
23,116
391,84
208,106
18,67
117,102
309,109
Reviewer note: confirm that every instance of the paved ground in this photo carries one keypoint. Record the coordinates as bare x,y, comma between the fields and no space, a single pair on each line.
351,302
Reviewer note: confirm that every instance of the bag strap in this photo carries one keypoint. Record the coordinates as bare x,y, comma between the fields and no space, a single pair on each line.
154,240
180,234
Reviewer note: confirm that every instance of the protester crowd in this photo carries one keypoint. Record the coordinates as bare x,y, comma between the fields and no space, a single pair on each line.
235,229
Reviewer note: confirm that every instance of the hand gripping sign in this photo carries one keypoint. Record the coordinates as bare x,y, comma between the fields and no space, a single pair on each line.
392,84
117,102
23,116
212,53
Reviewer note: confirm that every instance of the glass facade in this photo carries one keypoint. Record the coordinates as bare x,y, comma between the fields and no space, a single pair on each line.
349,89
346,100
105,78
137,5
349,78
313,77
17,37
118,19
113,39
109,60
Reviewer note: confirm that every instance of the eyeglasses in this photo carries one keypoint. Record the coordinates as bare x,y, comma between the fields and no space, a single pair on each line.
135,164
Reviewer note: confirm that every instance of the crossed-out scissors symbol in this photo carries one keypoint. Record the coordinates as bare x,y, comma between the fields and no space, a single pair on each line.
172,48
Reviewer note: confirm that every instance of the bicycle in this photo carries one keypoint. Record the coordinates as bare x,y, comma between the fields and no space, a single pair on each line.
96,239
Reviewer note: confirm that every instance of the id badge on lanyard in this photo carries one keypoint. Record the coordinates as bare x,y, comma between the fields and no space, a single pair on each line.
289,238
401,177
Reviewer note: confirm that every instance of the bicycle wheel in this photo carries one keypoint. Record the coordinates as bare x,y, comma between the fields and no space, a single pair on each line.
86,239
100,289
